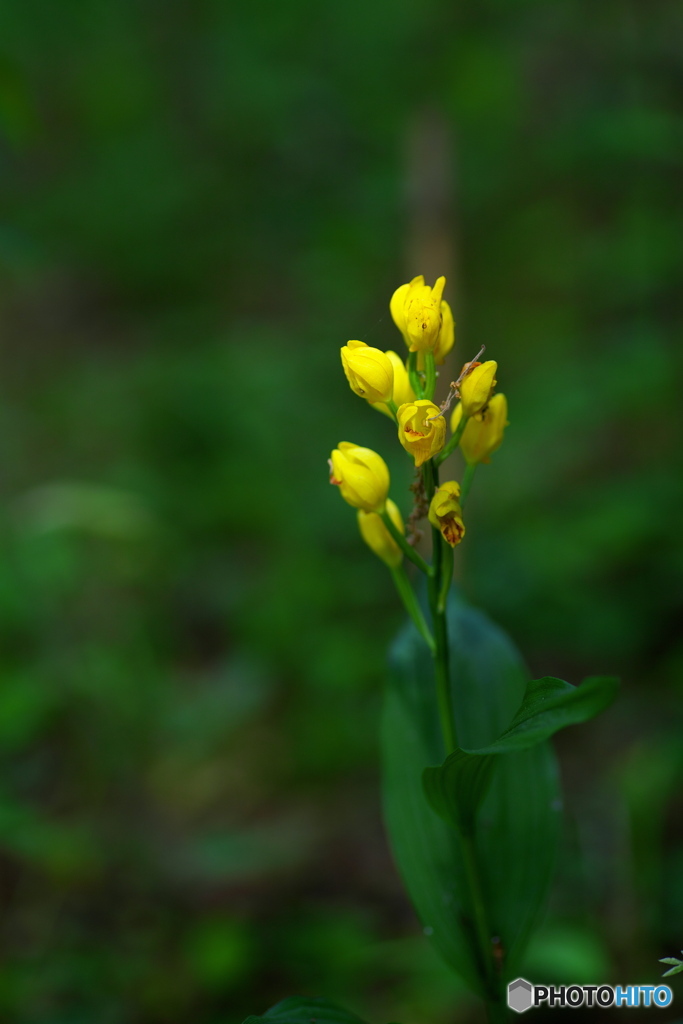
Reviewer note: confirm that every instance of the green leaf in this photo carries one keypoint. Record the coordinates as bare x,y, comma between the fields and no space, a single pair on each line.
517,820
551,704
457,788
676,969
306,1011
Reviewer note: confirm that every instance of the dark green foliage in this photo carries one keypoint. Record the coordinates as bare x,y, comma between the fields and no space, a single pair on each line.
516,826
551,704
677,967
457,788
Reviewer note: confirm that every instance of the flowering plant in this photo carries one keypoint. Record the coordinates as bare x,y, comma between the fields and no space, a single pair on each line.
471,792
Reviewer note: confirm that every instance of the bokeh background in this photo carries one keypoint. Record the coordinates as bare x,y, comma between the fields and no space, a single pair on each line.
199,203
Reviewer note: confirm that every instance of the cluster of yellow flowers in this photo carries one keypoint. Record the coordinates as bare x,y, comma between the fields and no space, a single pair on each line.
404,391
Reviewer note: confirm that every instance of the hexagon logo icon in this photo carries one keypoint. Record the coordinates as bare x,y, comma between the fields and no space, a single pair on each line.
520,995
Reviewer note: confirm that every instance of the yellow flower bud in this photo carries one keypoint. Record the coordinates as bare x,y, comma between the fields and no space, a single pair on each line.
446,337
421,429
445,513
361,475
403,391
369,372
483,434
397,306
417,312
378,538
422,310
477,387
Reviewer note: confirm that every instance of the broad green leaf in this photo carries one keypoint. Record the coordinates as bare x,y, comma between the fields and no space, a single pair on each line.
551,704
457,788
516,824
306,1011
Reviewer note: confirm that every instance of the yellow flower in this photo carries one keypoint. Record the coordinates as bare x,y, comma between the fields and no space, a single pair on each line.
445,513
446,338
361,475
416,310
477,387
421,429
378,538
483,434
369,372
403,391
397,305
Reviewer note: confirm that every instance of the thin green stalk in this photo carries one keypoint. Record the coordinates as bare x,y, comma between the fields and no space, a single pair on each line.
430,375
409,551
412,605
442,675
438,595
446,575
453,443
467,481
393,409
415,376
430,476
441,668
481,925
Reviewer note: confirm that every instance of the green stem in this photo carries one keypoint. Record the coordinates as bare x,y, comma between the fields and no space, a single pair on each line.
430,477
467,481
441,667
454,441
430,375
446,575
407,549
412,605
442,675
438,595
479,914
393,409
415,376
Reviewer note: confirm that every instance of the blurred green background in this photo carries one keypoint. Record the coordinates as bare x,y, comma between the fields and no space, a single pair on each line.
199,203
